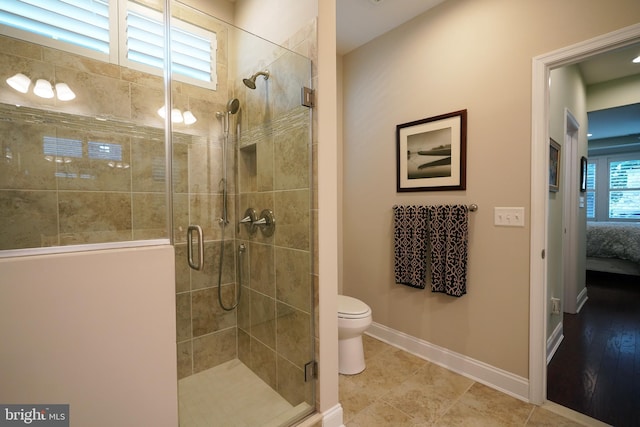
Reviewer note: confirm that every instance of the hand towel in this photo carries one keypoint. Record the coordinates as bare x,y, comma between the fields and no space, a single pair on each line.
410,245
448,237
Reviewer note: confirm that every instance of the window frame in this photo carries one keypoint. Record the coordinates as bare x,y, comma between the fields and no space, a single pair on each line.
36,38
602,185
123,9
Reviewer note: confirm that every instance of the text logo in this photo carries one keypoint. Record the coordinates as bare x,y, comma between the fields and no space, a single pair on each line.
34,415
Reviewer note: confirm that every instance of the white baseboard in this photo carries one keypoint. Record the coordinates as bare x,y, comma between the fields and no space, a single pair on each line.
553,342
481,372
332,417
581,299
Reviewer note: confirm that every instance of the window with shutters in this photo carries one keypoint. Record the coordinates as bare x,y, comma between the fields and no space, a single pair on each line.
613,188
91,28
591,190
624,189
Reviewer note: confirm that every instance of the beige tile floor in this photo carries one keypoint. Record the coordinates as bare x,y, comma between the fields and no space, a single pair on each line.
399,389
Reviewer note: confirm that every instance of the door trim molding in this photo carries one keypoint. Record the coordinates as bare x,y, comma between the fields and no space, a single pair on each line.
541,67
570,149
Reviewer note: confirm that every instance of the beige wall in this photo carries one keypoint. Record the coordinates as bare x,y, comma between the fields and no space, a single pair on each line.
614,93
464,54
274,21
95,330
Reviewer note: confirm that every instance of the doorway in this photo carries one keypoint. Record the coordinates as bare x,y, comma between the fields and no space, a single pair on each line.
539,297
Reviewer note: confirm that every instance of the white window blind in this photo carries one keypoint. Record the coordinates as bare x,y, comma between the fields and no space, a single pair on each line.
83,23
591,190
192,48
624,189
91,26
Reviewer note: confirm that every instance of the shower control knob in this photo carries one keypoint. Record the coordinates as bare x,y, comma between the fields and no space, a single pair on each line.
267,222
249,220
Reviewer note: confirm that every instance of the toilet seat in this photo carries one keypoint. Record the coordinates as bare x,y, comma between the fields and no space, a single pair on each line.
352,308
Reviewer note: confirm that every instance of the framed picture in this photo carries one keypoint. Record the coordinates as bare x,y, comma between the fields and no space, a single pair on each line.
431,153
554,166
583,174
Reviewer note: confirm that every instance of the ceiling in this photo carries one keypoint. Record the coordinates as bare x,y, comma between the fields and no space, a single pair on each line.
360,21
618,121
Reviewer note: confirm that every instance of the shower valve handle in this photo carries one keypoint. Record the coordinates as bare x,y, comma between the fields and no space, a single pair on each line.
267,222
249,220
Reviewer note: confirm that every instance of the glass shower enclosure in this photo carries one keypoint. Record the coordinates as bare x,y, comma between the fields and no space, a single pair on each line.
223,174
242,175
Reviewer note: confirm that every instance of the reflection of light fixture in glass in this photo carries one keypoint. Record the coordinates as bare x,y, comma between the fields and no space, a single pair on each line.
118,165
43,89
19,82
636,60
189,118
64,92
178,116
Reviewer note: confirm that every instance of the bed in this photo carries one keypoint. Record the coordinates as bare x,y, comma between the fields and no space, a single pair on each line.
613,247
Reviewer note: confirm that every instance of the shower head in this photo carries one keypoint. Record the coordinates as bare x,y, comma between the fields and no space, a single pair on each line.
233,105
251,82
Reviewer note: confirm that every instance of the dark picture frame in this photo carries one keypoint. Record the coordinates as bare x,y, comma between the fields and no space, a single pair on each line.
583,174
554,165
431,154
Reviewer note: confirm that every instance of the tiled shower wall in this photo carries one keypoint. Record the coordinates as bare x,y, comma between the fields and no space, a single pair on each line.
87,200
275,322
75,197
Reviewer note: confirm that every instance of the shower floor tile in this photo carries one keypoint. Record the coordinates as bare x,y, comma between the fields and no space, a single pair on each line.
231,395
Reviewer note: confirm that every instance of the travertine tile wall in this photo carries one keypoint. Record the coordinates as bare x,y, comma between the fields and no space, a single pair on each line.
88,200
275,317
62,195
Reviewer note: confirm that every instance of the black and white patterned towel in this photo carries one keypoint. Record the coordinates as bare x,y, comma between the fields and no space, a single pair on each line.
411,241
448,236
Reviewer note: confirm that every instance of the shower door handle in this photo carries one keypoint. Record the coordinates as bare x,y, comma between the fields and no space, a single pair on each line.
200,244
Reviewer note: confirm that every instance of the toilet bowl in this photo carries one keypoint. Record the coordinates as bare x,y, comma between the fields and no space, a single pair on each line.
354,317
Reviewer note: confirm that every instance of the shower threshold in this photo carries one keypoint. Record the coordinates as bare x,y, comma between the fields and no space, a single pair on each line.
231,395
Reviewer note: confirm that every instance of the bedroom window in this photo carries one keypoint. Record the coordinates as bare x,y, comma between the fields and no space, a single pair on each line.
624,189
91,28
613,187
591,190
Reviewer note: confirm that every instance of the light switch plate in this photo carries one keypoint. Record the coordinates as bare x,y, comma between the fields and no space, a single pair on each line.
508,217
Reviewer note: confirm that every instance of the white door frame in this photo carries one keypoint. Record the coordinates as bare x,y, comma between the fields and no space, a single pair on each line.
570,214
542,65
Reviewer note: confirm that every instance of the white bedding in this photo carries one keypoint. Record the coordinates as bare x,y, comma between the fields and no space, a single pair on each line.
614,240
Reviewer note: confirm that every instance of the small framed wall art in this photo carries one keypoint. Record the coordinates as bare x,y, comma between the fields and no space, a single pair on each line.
583,174
431,154
554,166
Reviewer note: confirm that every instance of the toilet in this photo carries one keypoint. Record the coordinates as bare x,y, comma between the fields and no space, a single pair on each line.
354,317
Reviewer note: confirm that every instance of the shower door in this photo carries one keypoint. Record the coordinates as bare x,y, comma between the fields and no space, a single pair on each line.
251,365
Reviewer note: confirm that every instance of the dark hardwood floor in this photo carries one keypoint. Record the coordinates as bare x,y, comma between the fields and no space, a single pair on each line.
596,369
